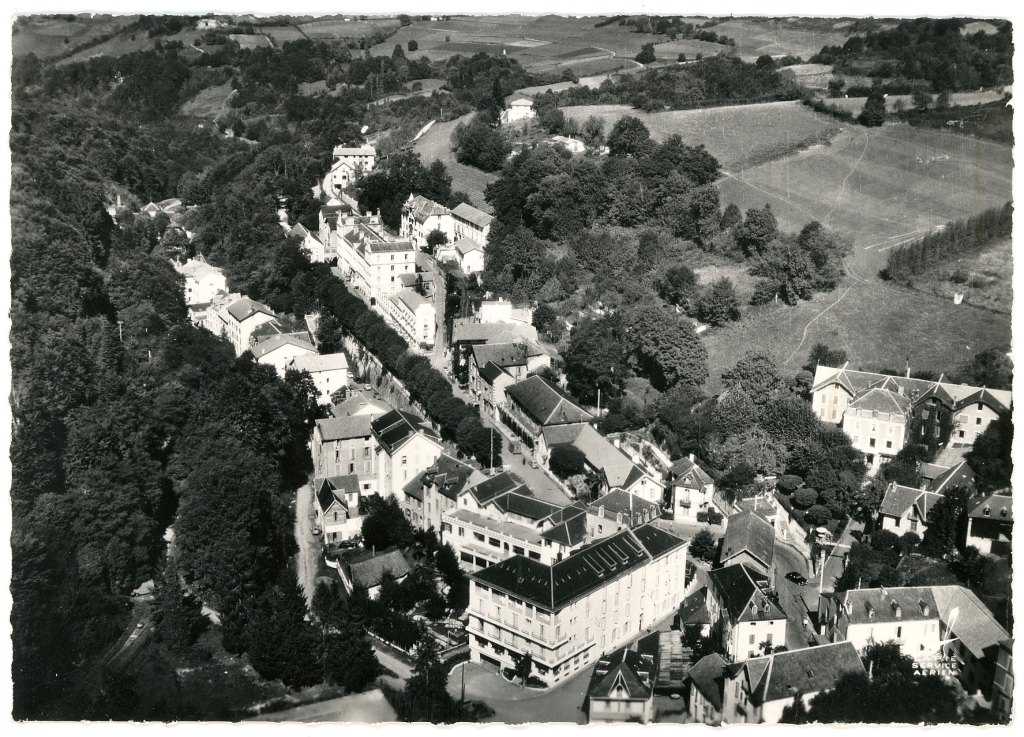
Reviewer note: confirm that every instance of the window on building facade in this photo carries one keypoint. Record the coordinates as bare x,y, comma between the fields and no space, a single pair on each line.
871,443
977,420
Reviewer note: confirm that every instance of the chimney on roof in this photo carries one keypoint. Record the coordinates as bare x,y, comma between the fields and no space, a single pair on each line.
925,609
691,458
908,367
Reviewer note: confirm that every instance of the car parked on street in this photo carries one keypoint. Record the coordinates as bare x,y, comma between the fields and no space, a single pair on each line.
796,578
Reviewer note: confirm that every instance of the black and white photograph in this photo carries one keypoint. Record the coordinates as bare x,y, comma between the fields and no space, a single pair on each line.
544,365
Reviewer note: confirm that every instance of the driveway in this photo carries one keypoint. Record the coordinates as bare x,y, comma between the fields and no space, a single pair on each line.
306,561
515,705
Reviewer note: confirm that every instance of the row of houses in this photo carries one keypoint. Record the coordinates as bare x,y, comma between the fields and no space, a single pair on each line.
465,228
253,326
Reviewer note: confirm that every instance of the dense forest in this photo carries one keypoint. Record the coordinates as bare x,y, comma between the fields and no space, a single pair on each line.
937,51
127,419
716,81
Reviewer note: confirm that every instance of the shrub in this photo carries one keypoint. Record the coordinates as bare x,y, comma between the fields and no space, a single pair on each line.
715,518
804,498
567,460
789,483
817,515
702,517
885,540
413,45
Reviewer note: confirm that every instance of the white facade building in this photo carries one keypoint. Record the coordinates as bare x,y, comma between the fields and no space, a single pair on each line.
567,614
202,281
329,372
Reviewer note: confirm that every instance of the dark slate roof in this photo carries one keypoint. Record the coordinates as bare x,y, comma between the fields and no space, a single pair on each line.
491,371
369,572
685,472
553,587
657,541
395,428
959,475
245,308
938,392
622,502
333,489
899,499
986,397
342,428
749,532
974,624
502,354
708,676
524,506
993,506
568,530
931,471
741,588
503,482
856,382
624,669
694,609
808,670
545,403
903,603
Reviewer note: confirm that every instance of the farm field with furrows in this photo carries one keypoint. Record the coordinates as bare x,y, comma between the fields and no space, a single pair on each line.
738,136
879,188
436,145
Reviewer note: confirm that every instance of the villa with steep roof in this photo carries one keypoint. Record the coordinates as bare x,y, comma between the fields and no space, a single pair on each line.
707,689
349,163
691,490
567,615
309,243
337,508
622,688
519,358
745,612
882,413
757,690
236,320
905,509
519,108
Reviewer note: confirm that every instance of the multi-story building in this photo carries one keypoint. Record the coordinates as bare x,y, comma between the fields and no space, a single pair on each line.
236,321
518,358
691,490
943,627
619,510
499,517
433,493
757,690
414,316
309,243
329,372
350,163
745,612
905,509
567,614
471,224
371,260
406,446
882,413
280,350
337,508
421,217
342,445
907,615
202,281
707,680
534,404
492,381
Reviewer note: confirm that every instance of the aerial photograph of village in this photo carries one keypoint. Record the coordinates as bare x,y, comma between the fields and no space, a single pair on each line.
461,368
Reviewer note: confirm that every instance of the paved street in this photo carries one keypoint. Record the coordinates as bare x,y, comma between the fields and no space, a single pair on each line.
370,707
538,481
516,705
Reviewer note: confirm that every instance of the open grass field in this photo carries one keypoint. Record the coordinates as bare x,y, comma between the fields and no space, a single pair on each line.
282,34
208,103
541,44
327,28
780,36
878,187
435,145
45,36
126,43
738,136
